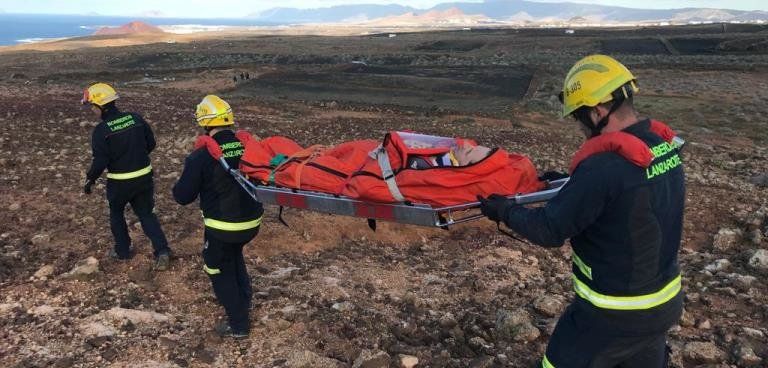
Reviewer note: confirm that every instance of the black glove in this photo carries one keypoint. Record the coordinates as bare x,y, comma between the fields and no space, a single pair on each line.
552,176
494,206
87,186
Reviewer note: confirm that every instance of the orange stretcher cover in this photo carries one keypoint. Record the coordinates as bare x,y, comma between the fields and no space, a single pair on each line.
354,169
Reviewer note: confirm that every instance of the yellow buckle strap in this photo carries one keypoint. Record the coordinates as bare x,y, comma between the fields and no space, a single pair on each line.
130,175
211,271
232,226
669,291
545,363
586,270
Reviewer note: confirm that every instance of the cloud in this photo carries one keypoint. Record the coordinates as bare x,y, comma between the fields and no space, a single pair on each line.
152,14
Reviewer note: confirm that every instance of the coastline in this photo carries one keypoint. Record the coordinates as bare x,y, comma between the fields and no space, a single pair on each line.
193,32
182,33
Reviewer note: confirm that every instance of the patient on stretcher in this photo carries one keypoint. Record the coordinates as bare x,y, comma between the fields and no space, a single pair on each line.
462,155
405,167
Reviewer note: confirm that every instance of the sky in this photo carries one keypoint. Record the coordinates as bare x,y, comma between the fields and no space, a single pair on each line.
239,8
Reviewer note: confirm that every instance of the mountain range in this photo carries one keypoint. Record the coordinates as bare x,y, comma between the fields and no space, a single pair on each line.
507,11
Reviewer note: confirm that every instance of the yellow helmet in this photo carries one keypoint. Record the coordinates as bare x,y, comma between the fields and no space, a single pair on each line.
99,94
593,80
212,111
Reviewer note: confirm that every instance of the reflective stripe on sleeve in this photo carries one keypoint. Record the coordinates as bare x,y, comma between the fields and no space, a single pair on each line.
669,291
130,175
586,270
232,226
545,363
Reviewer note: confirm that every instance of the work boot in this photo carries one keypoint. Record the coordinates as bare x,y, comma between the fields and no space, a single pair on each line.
162,262
113,254
223,329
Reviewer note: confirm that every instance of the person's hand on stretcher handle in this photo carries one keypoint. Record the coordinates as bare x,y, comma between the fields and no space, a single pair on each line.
495,206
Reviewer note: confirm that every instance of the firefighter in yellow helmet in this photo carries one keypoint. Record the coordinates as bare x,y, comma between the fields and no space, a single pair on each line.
231,217
596,84
121,144
622,210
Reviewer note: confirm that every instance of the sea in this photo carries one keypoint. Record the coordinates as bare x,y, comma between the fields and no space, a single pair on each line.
25,28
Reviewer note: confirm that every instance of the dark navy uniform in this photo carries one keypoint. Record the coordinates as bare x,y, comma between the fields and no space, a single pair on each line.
231,218
121,143
625,225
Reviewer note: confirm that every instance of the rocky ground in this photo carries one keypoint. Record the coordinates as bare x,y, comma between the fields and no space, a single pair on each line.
330,292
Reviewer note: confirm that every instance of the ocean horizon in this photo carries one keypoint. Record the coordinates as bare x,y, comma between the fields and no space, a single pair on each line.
25,28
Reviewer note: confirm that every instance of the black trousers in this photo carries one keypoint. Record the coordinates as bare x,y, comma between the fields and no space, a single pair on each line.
225,266
139,192
581,342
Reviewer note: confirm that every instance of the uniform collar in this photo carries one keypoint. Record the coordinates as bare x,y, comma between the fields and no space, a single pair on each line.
224,133
638,128
110,114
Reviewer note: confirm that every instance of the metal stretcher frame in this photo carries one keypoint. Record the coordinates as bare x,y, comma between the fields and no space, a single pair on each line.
414,214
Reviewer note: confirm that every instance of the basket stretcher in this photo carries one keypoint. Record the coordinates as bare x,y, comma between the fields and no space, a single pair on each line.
404,213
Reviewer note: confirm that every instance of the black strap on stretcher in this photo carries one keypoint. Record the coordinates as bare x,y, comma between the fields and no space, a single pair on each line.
280,217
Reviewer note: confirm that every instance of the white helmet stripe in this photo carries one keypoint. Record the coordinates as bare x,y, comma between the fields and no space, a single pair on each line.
211,107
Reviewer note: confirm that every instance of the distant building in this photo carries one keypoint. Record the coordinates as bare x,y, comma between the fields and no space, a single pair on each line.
570,31
392,35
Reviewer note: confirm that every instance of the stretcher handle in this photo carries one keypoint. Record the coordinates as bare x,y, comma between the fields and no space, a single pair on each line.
530,198
247,186
535,197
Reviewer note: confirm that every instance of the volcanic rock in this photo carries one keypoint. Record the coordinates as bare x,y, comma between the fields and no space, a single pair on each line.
726,239
309,359
84,269
548,305
96,329
703,352
41,239
759,260
746,356
371,359
136,317
515,326
407,361
44,272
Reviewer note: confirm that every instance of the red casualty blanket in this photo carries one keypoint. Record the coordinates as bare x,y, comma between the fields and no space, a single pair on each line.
405,167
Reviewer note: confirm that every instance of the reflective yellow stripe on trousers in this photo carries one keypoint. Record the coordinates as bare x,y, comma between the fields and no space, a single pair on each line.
628,302
130,175
211,271
232,226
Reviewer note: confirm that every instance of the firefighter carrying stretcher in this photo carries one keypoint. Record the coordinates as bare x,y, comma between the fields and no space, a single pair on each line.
623,212
230,216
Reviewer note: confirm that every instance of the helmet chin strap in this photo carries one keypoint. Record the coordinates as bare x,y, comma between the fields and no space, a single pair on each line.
618,99
582,115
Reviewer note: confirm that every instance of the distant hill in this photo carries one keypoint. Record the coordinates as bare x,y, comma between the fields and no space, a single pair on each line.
452,16
128,29
510,10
